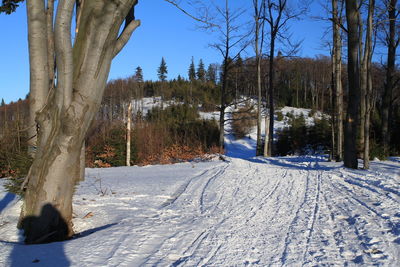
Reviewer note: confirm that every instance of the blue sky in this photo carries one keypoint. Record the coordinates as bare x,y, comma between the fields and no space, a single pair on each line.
165,32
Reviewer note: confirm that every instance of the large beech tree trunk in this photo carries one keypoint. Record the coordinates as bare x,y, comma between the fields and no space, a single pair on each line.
352,118
69,106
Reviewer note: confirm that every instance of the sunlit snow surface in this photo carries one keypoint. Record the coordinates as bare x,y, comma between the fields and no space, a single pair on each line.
287,211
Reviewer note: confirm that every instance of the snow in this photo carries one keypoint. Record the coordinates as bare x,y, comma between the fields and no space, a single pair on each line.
246,210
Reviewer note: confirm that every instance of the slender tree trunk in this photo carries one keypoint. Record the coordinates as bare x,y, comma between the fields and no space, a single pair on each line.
224,77
350,137
128,134
333,113
258,62
266,141
223,106
368,81
390,70
363,83
271,95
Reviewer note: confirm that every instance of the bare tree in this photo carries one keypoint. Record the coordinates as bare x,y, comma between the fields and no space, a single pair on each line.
277,15
64,107
231,43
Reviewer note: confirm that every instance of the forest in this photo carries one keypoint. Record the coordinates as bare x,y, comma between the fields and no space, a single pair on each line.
302,83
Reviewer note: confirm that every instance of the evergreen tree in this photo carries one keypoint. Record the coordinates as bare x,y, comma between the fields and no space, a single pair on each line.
192,71
9,6
139,74
2,102
201,72
162,70
211,74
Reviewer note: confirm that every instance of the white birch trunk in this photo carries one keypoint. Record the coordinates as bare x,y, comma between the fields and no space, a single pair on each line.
128,135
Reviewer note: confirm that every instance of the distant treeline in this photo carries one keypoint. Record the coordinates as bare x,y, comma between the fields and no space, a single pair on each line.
177,132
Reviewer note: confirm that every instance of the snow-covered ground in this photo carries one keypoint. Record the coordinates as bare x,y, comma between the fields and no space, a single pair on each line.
287,211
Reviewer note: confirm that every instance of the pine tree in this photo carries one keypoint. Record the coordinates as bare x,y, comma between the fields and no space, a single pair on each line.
211,75
162,70
192,71
201,72
2,102
139,74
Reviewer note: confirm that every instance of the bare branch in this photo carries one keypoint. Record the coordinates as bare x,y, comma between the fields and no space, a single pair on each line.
204,21
125,36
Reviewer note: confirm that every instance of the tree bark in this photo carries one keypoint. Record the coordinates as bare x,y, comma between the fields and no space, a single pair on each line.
350,137
69,108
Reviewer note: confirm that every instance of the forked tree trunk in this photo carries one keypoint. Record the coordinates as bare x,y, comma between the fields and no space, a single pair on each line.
82,72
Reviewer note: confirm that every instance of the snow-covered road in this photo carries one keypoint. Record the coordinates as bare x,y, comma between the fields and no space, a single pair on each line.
289,211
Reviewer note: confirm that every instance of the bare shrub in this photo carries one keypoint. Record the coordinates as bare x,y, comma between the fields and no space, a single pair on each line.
243,121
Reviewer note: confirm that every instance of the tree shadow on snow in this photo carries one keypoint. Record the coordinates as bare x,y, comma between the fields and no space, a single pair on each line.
240,151
247,152
48,227
7,199
47,255
93,230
